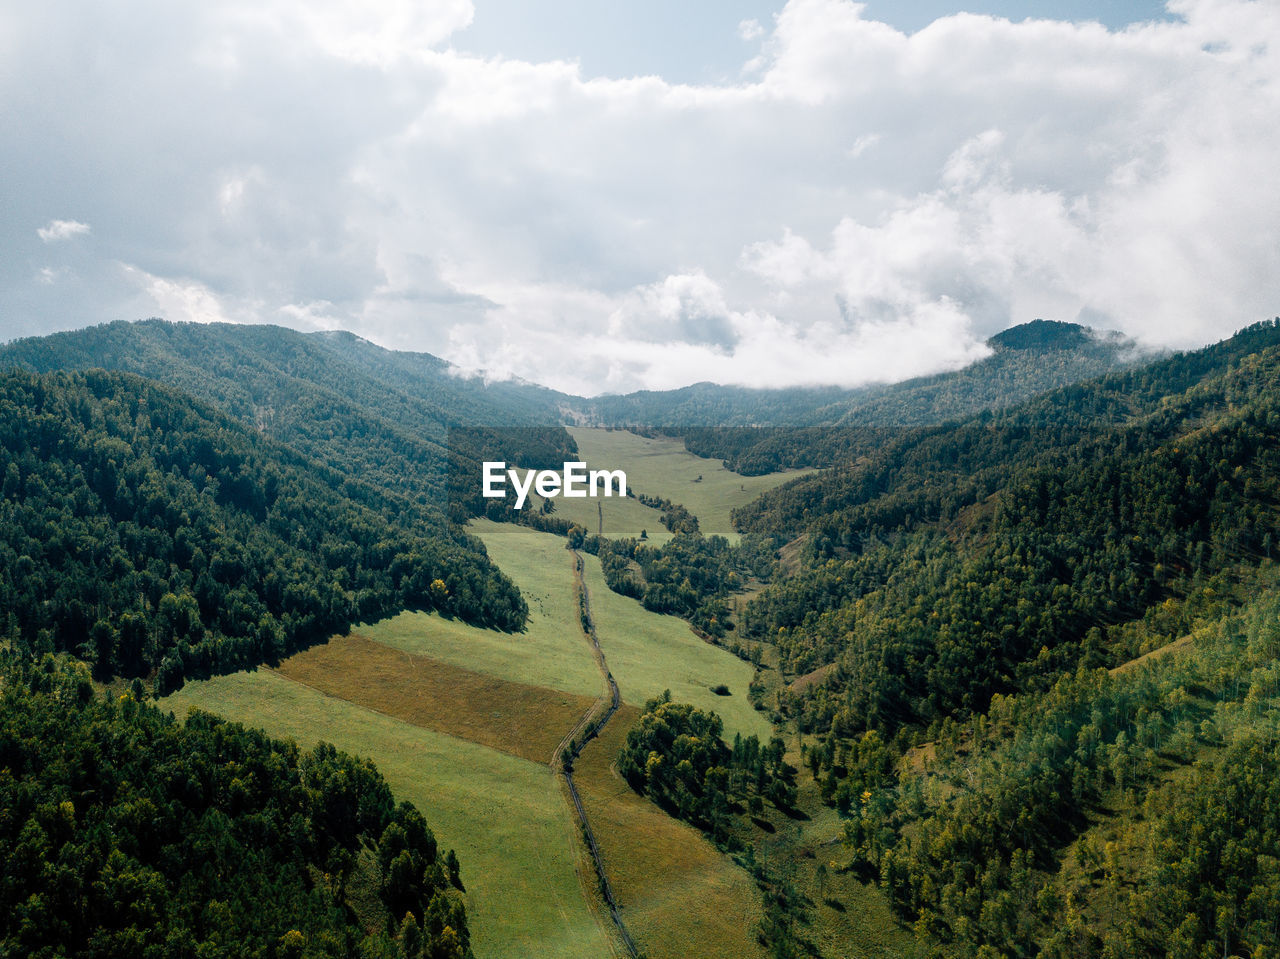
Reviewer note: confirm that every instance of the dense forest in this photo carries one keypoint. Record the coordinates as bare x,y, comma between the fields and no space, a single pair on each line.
149,535
997,554
123,832
960,597
405,423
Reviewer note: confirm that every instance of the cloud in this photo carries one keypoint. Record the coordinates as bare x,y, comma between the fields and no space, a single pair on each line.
57,230
859,204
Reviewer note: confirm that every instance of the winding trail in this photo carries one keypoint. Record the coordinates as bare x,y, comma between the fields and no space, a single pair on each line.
592,721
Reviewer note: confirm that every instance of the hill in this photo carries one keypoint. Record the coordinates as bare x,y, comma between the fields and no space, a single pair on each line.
1025,360
403,422
125,833
148,534
964,588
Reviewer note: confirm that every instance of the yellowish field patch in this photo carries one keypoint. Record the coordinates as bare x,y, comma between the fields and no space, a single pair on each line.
526,721
661,466
505,816
680,897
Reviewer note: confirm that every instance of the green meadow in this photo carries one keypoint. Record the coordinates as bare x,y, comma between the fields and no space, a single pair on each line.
649,652
616,517
661,466
505,816
550,652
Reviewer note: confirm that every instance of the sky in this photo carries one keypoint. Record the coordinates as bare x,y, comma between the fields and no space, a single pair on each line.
602,197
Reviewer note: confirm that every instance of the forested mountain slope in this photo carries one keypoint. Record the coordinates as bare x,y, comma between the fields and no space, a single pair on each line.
967,559
960,594
143,531
124,833
401,421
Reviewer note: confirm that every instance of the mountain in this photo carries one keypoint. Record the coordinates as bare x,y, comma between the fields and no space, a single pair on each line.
1025,360
151,535
403,422
961,595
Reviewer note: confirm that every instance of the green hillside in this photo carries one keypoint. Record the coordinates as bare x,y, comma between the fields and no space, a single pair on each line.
402,422
959,595
125,833
150,535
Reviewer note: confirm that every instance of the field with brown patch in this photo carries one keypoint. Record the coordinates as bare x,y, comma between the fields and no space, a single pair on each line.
679,896
525,721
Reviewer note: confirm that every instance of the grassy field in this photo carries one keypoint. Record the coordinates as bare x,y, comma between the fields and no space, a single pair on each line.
663,467
525,721
648,653
505,816
679,896
452,715
622,516
551,652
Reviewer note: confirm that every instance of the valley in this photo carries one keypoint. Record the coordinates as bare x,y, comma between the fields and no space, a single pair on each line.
998,685
463,722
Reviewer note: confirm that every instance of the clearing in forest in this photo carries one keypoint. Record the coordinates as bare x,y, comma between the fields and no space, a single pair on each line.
661,466
650,652
447,711
550,652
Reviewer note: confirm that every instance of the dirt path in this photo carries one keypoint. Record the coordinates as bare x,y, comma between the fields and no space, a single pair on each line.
592,721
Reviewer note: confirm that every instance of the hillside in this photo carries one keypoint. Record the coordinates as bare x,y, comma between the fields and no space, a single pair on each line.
150,535
125,833
1025,360
403,422
964,585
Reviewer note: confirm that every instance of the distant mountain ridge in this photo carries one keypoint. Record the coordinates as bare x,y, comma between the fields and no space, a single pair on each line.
402,421
1026,360
418,427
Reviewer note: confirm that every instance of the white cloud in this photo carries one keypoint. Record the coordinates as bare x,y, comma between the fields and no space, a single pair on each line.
862,203
57,230
178,300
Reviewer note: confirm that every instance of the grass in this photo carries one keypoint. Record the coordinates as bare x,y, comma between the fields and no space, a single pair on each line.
649,652
679,896
525,721
551,652
663,467
622,516
447,711
505,816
